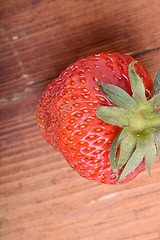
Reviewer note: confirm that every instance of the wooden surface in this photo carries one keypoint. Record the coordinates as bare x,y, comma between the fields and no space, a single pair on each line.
42,198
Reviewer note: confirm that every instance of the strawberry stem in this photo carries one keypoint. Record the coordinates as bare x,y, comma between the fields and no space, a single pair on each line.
152,122
138,123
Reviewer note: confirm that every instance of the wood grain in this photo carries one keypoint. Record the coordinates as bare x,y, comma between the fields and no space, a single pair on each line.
41,197
41,38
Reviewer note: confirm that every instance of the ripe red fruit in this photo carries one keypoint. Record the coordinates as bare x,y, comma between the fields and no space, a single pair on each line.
67,116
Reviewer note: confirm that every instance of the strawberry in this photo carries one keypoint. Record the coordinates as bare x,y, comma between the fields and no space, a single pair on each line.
100,115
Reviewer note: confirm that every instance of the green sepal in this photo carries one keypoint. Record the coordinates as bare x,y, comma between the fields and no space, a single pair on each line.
126,149
113,115
139,118
118,96
155,101
137,85
156,87
150,153
157,141
134,160
123,134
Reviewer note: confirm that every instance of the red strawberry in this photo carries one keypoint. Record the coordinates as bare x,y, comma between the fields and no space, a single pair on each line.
67,117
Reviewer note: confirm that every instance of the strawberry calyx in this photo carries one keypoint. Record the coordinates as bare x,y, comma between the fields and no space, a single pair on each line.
139,119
